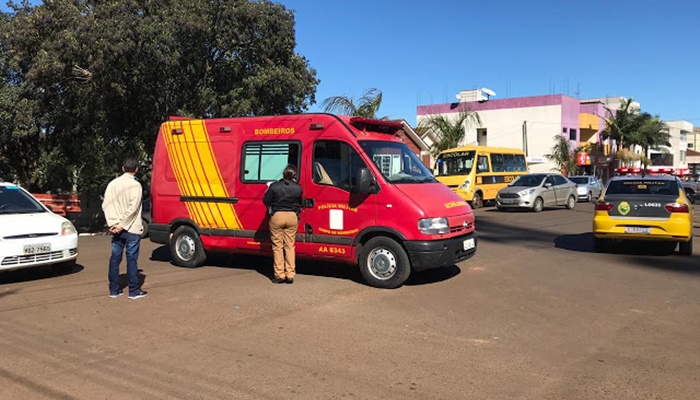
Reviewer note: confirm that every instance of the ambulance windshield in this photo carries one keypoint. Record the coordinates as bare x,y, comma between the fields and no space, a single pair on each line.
397,162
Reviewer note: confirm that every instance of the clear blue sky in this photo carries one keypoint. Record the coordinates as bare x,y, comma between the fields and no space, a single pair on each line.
422,52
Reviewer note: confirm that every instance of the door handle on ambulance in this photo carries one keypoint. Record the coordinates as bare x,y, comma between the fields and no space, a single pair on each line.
308,203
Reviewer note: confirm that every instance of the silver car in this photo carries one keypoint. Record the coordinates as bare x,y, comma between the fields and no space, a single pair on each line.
588,187
537,191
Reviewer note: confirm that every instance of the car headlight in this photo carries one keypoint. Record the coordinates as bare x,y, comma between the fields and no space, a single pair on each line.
67,229
526,192
433,226
465,185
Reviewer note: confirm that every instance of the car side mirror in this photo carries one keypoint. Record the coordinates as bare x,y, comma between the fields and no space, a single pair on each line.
367,183
548,185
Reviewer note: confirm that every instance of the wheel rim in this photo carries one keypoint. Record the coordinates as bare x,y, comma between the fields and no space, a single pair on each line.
185,247
572,202
477,201
382,263
538,204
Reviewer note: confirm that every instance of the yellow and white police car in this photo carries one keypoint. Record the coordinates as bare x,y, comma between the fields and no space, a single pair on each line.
645,207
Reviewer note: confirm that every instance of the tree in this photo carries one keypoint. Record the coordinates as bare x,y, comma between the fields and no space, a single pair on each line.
563,155
366,106
98,78
622,123
651,135
629,126
450,132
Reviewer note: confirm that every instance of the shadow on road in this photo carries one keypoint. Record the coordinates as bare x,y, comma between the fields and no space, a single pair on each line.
583,242
124,280
37,273
659,255
263,266
433,276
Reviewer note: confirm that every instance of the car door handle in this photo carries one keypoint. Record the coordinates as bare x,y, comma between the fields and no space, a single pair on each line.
308,203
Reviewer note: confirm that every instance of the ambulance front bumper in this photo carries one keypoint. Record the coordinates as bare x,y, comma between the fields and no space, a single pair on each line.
430,254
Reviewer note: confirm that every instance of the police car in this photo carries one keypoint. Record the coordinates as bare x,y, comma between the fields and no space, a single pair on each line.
31,234
644,207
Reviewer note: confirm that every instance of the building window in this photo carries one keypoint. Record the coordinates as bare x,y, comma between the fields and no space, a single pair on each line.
481,137
572,134
682,156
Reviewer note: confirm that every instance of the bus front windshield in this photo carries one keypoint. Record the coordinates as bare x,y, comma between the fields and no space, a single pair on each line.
397,162
455,163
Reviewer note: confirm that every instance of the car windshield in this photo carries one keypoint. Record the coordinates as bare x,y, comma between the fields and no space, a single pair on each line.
528,180
396,162
14,200
642,187
455,163
579,180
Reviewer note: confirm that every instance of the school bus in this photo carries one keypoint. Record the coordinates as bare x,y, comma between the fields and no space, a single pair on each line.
477,173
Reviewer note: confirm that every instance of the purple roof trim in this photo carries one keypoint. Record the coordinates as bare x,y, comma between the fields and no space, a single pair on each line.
517,102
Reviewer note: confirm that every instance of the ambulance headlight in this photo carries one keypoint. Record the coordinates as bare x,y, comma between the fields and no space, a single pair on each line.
433,226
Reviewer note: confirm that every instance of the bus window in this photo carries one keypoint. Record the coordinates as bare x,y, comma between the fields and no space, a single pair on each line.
482,164
520,164
497,163
510,162
456,163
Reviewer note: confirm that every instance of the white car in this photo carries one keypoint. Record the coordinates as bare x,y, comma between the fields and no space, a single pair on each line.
587,187
31,234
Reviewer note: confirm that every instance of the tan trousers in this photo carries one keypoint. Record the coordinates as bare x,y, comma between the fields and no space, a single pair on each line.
283,227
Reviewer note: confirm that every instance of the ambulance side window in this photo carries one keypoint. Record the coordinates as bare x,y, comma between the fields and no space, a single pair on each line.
265,161
336,164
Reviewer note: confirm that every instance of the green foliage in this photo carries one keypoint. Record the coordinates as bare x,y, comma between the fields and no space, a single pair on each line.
367,106
563,155
450,132
628,126
86,84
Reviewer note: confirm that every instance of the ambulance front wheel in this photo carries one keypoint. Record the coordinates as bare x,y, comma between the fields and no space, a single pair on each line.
186,248
384,263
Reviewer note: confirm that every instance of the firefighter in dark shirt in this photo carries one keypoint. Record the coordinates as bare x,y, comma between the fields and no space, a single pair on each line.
283,200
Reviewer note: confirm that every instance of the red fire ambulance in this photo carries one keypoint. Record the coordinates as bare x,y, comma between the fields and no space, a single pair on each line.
368,199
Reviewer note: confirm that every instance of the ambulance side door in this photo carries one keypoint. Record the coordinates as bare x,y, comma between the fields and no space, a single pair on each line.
334,212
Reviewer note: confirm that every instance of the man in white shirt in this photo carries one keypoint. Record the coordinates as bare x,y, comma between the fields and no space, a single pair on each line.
122,208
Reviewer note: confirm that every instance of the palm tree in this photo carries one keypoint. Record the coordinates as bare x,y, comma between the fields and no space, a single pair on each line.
622,123
450,132
652,134
563,155
366,106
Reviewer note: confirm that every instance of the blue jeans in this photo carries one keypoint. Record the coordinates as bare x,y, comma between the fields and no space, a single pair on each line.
132,242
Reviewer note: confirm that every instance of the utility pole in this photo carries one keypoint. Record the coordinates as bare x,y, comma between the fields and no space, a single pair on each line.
525,138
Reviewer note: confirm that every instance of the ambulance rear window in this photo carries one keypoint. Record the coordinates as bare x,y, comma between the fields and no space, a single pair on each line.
643,187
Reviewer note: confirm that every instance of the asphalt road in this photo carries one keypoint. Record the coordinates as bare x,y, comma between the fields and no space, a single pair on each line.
535,315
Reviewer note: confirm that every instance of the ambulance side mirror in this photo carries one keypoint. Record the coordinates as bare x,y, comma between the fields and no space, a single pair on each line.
367,183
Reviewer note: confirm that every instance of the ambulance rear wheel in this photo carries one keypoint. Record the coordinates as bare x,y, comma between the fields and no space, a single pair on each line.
384,263
186,248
